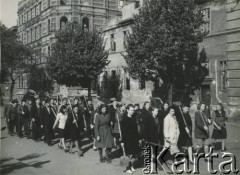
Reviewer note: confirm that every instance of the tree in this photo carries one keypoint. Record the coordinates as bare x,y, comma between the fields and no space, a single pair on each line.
164,42
78,56
40,81
15,57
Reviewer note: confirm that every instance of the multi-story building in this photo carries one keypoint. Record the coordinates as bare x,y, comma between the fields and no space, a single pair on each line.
222,46
38,21
115,81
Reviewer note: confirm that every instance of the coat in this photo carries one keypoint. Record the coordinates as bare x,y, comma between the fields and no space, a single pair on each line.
12,112
152,130
118,119
171,131
201,120
186,140
74,130
130,136
48,118
102,128
37,113
24,109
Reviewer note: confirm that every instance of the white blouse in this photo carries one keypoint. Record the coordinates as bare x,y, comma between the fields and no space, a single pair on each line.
62,118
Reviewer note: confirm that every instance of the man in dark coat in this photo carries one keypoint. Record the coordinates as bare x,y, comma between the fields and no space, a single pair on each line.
113,110
146,112
152,128
47,121
36,118
12,116
130,137
138,116
23,116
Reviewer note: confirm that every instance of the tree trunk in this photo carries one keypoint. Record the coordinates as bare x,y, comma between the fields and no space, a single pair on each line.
12,88
89,89
170,93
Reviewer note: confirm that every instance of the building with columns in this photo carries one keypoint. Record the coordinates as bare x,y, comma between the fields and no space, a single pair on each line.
39,20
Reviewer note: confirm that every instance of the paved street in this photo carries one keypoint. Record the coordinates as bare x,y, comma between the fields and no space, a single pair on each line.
26,157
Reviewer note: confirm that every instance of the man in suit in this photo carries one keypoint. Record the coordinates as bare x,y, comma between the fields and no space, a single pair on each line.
47,121
23,115
36,117
12,116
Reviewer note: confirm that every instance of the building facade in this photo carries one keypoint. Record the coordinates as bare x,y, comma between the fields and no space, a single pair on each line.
115,81
39,20
222,46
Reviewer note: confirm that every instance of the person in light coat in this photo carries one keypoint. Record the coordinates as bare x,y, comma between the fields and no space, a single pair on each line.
171,131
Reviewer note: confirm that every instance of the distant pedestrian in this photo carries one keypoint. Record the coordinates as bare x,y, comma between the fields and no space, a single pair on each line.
36,118
12,116
47,121
23,117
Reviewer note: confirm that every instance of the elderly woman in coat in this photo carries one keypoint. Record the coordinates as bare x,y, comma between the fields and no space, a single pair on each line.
171,131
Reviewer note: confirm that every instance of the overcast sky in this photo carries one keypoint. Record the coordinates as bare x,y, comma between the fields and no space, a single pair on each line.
9,12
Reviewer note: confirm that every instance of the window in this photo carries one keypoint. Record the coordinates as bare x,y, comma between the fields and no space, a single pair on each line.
40,7
40,31
45,4
49,50
223,74
44,28
206,16
24,38
20,81
137,4
125,39
49,26
33,34
63,2
29,15
113,43
33,12
25,17
37,10
53,24
206,65
128,83
85,23
63,22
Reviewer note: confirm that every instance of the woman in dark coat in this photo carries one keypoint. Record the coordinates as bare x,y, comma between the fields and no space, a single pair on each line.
76,124
130,137
103,133
185,126
219,121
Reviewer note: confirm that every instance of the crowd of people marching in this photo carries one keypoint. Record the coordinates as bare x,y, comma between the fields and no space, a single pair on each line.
125,128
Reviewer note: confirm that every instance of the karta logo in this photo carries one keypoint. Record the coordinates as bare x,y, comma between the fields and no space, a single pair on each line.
151,162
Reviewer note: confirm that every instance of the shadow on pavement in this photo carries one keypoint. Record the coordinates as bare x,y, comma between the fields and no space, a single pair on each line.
6,168
31,156
39,164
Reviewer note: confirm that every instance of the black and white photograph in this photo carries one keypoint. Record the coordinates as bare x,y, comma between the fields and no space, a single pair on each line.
90,87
